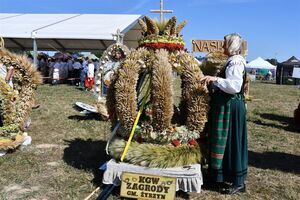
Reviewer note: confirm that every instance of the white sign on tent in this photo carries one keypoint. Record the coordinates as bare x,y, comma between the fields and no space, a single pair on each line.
296,72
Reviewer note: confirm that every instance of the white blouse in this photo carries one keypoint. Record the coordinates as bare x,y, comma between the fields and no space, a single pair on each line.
233,82
91,68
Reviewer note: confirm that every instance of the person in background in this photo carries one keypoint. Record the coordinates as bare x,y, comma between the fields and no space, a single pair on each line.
89,80
76,68
51,62
56,71
269,75
30,58
96,64
70,67
64,69
227,129
43,66
85,62
83,72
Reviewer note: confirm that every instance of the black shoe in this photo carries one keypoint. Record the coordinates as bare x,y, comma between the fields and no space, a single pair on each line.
235,189
216,186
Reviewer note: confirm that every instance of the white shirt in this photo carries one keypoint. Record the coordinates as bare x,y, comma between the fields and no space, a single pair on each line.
91,69
233,82
3,73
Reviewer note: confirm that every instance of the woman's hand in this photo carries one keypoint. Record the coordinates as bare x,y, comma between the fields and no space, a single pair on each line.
208,79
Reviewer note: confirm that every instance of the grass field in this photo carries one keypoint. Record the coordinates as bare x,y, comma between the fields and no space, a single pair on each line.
67,149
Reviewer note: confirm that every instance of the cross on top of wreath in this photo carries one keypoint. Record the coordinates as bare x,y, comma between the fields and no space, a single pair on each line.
161,11
119,37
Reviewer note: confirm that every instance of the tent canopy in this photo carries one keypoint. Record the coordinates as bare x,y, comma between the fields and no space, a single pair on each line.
84,32
260,63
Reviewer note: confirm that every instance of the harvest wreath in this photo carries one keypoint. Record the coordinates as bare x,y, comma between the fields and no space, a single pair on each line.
16,103
140,101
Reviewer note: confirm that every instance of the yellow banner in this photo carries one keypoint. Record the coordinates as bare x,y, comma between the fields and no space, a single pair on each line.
208,45
144,186
213,46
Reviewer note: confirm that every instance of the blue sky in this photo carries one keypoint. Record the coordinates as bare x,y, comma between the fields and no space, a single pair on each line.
271,27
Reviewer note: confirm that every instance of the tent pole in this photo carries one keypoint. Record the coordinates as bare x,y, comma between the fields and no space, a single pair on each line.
34,52
281,75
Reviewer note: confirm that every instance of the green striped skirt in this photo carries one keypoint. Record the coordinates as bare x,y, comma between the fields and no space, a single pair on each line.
227,132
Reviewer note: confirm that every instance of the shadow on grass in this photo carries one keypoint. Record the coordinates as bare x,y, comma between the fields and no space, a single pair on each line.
80,88
85,117
275,161
87,155
267,82
274,117
287,123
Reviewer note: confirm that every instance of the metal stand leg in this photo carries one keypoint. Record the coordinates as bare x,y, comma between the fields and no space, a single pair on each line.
106,192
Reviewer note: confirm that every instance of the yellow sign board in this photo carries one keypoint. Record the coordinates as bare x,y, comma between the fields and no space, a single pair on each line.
144,186
213,46
208,45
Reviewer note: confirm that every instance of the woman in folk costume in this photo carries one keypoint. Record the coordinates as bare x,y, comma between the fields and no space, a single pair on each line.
227,131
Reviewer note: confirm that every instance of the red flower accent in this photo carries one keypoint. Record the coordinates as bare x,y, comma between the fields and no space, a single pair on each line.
176,142
160,45
192,142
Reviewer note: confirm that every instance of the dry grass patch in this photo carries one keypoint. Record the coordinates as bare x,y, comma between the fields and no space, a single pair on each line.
68,148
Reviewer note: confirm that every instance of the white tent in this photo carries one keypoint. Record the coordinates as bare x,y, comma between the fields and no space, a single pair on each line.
67,32
260,63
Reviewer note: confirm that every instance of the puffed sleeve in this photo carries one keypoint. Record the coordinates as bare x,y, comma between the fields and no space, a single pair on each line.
233,82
